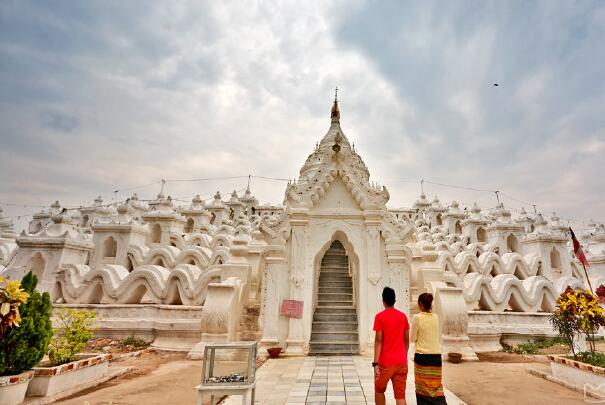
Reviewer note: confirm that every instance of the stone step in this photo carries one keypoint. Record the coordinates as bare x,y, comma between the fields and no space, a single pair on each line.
327,348
334,330
329,317
331,278
334,273
341,295
334,277
330,304
332,354
336,296
332,336
336,284
341,326
336,310
335,289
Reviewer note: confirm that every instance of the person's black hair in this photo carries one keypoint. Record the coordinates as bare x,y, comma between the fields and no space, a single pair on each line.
426,299
388,296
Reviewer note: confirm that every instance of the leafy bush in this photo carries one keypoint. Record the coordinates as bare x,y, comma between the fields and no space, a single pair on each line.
133,342
594,358
23,347
71,337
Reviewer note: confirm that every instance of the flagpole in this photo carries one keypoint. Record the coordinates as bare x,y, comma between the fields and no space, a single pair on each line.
587,279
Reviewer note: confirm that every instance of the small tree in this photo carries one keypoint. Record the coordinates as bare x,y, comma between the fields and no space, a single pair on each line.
71,337
577,311
23,347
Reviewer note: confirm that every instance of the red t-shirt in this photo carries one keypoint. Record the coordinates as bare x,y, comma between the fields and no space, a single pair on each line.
392,323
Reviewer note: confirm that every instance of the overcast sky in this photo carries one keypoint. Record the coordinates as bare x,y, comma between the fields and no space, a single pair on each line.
98,95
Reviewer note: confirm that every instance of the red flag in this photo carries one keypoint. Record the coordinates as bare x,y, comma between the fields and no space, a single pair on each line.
577,249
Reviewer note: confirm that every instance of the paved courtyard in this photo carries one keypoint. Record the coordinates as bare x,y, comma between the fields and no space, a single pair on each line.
323,381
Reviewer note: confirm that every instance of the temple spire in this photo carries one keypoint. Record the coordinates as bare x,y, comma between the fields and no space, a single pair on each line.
335,111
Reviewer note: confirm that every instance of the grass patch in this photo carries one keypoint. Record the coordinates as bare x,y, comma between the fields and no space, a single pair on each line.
532,347
133,342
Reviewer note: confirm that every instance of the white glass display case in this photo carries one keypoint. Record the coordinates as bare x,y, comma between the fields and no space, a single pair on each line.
228,369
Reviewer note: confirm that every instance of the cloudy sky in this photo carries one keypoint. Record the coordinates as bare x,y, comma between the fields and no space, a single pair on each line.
99,96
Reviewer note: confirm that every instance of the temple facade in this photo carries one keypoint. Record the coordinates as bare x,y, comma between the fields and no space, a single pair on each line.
306,275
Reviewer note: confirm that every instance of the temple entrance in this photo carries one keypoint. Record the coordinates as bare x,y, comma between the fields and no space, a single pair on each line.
334,330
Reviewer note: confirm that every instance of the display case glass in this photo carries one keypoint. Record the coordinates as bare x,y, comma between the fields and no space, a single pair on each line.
229,364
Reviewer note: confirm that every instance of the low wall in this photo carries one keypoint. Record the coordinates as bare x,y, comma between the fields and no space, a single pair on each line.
170,327
488,330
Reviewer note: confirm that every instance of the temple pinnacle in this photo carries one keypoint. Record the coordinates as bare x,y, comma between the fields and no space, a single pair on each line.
335,111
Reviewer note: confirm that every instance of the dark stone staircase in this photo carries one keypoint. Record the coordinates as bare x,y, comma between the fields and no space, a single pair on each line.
334,329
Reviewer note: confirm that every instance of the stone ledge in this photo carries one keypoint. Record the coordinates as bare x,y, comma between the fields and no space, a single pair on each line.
566,384
16,379
113,372
94,359
577,364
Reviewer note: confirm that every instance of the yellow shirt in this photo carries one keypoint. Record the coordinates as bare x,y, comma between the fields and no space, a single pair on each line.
425,333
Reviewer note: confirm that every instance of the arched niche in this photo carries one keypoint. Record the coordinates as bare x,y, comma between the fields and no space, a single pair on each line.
110,247
555,259
156,233
189,225
481,235
438,220
36,265
458,228
350,250
512,243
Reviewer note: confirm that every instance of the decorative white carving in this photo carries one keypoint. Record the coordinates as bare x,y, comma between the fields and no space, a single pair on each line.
374,278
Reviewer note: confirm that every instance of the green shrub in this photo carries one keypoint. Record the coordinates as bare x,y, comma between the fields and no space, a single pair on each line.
593,358
533,347
133,342
23,347
71,337
526,348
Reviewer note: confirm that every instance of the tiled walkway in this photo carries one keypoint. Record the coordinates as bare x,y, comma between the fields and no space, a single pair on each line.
323,381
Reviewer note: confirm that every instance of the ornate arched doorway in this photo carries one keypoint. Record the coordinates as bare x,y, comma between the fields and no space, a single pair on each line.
335,327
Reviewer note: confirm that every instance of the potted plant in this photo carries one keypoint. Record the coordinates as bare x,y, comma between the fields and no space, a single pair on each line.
578,313
66,367
26,333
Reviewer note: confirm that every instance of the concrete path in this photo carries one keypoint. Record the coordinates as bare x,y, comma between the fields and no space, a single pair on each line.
323,381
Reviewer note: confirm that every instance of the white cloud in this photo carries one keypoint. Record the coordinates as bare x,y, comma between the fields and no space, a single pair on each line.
101,96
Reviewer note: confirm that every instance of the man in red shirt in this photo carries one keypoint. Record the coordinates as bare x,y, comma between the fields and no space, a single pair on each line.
390,349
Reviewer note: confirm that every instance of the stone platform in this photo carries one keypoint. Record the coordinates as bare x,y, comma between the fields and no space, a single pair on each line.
333,380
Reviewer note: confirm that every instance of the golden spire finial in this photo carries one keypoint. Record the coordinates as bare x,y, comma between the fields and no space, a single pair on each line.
335,110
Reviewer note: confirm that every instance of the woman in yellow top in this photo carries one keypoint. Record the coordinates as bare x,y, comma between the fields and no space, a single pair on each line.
427,358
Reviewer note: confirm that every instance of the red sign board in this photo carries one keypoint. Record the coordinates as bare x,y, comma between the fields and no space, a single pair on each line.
292,308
